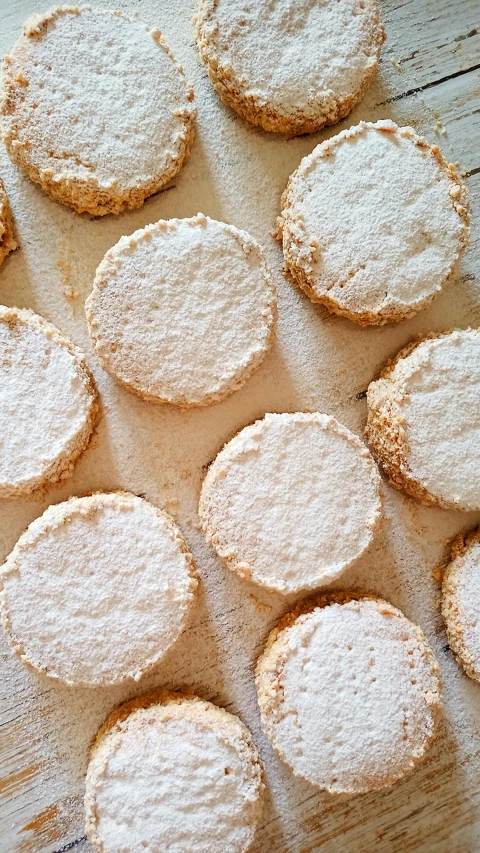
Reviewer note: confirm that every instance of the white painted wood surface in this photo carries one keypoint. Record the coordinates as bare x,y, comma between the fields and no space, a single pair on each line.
429,77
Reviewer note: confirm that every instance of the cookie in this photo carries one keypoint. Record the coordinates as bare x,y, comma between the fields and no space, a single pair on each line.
183,311
48,403
95,109
117,584
373,223
424,420
7,238
349,693
292,66
461,602
292,501
172,771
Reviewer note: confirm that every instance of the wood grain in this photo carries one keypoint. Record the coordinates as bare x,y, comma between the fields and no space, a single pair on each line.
429,77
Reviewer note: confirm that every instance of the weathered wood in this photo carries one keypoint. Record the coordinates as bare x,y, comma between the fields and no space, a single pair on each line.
237,173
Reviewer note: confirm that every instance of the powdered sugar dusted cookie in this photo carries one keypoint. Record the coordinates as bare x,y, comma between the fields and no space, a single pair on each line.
461,602
116,581
292,501
183,311
424,420
373,223
7,239
48,403
349,693
95,109
171,771
292,66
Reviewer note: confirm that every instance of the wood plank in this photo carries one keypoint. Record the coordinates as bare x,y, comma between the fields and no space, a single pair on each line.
433,39
319,361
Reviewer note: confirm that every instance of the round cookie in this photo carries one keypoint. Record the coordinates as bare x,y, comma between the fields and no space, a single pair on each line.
7,238
292,66
116,582
183,311
291,501
349,693
373,223
48,403
95,109
424,421
168,770
461,602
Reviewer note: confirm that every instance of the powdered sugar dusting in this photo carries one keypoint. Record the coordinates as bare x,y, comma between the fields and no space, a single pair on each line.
292,501
116,585
294,58
357,695
47,403
375,222
94,97
183,771
318,362
461,604
183,311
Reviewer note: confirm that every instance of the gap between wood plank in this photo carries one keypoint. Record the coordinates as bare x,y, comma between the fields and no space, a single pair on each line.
71,845
429,85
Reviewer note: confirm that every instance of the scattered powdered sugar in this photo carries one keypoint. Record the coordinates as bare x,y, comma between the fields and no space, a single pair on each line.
317,363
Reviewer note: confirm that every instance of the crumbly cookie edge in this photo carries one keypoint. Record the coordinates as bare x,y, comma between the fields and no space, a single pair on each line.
261,114
96,500
240,567
102,279
86,196
268,672
385,434
120,715
451,607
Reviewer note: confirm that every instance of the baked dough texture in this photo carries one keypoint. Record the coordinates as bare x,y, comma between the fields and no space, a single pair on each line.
7,237
424,419
292,66
291,501
373,223
183,311
349,693
169,771
461,602
95,109
116,583
48,403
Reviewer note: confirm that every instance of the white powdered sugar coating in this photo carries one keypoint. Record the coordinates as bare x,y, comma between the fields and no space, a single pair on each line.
461,605
349,695
7,240
183,311
305,60
292,501
183,776
116,584
94,97
434,393
373,222
47,403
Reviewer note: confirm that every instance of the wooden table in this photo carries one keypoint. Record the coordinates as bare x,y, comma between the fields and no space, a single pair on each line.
429,77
